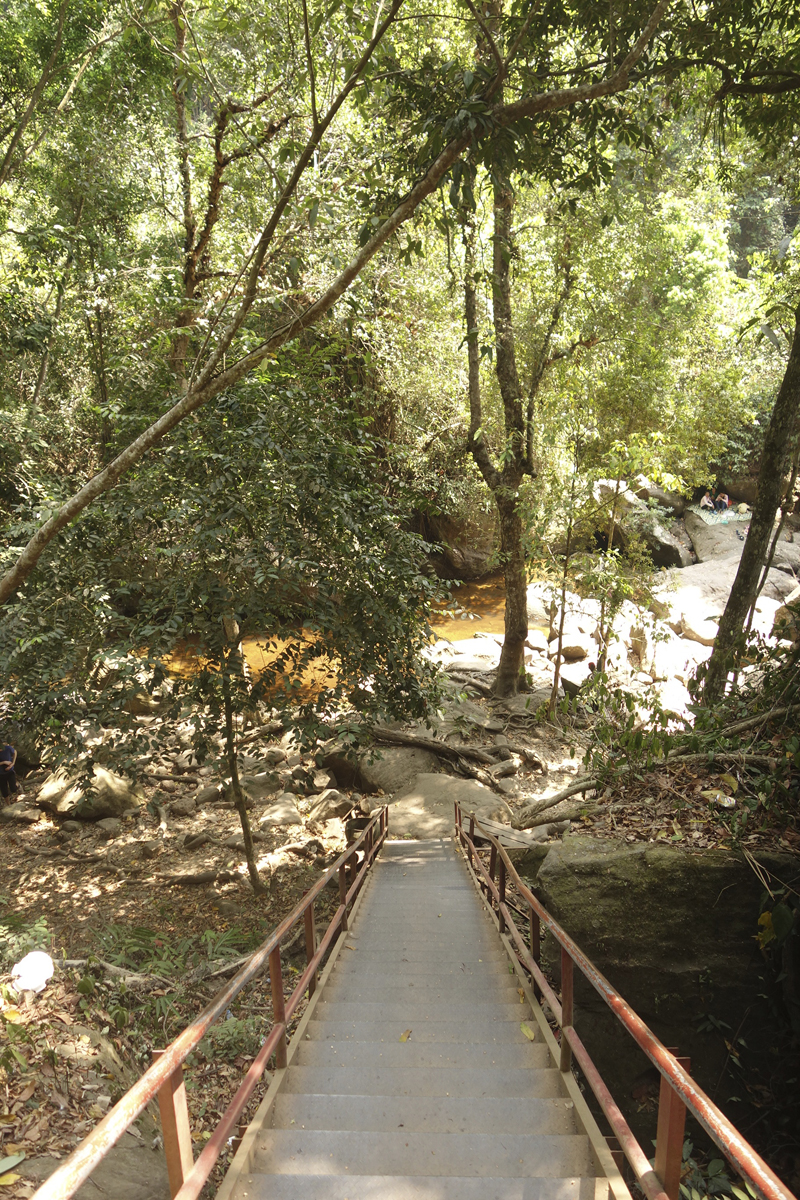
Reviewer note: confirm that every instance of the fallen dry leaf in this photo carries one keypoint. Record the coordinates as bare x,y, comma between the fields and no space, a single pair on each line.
405,1035
530,1034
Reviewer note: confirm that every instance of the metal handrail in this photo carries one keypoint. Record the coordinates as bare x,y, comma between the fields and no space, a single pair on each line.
165,1076
677,1085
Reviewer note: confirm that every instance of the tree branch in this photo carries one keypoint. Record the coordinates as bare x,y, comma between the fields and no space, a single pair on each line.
24,120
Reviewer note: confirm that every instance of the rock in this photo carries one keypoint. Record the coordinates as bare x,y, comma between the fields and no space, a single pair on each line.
274,755
646,490
485,650
460,716
208,795
425,809
466,548
573,676
714,541
169,786
540,604
110,826
258,787
152,848
674,697
633,910
395,769
323,780
21,811
666,550
72,827
786,622
701,591
537,641
704,632
108,796
184,807
574,647
329,804
130,1171
282,812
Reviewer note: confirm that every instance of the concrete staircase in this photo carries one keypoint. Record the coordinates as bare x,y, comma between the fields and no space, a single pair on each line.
465,1108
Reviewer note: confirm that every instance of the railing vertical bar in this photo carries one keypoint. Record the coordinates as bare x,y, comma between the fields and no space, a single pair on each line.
669,1138
535,931
566,1009
175,1128
278,1003
343,894
501,895
311,945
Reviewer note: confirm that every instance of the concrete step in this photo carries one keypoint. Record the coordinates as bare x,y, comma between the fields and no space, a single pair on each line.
345,1055
421,1187
472,1031
420,955
425,990
477,1155
428,1114
354,967
398,1010
383,1080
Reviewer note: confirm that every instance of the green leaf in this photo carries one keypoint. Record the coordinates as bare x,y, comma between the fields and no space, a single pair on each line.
7,1164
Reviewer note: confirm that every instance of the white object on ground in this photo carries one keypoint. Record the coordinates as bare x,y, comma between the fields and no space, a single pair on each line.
31,973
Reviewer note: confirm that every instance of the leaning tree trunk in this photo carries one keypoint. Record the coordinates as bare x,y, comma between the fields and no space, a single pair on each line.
770,485
236,786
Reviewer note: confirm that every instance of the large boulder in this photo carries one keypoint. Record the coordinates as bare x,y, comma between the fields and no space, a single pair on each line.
391,772
109,795
715,541
425,808
666,550
674,931
700,592
466,548
647,490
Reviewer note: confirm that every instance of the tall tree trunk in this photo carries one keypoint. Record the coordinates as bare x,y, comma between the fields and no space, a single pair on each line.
777,444
236,786
510,673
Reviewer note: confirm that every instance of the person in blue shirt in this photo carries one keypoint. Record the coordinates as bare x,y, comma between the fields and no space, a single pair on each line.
8,776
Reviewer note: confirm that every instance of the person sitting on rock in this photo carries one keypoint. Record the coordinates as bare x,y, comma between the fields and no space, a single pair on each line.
707,502
721,501
8,777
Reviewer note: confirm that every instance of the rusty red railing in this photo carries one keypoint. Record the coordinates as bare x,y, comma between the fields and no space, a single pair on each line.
678,1091
165,1077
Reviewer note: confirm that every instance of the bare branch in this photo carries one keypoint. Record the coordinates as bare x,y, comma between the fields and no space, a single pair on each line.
530,106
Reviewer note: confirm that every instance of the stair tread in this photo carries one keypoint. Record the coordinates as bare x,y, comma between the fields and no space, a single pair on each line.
421,1187
424,1081
432,1114
323,1152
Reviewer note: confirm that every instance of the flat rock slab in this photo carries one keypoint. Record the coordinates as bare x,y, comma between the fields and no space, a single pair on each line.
130,1171
425,809
283,812
21,811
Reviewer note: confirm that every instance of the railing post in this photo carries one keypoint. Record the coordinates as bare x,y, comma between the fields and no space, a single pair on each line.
175,1128
493,862
669,1139
343,895
278,1004
536,946
501,893
566,1010
311,945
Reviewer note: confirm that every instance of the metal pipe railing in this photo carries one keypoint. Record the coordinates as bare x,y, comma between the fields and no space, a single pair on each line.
164,1078
679,1092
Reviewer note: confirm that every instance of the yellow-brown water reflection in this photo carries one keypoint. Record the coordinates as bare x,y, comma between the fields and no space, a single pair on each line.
486,599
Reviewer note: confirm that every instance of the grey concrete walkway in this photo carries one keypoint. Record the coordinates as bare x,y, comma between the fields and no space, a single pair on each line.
465,1107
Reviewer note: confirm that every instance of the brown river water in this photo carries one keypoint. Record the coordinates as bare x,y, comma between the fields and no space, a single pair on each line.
474,608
